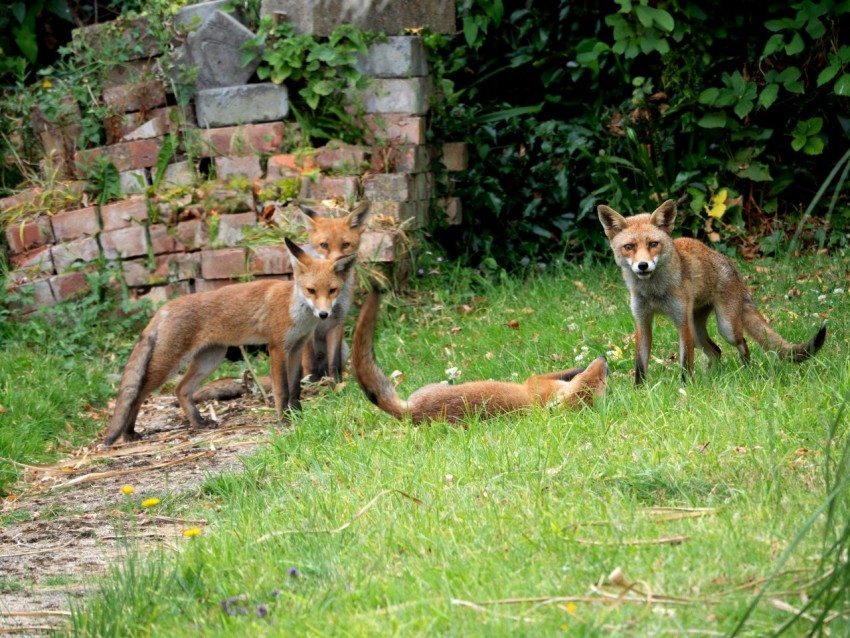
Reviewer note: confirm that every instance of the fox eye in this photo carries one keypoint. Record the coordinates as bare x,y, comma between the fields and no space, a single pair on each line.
311,291
653,244
628,247
346,244
324,245
332,291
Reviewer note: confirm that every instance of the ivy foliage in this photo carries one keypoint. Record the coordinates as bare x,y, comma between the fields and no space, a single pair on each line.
740,116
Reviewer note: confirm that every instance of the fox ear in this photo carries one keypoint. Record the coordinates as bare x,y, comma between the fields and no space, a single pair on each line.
344,264
299,259
357,218
612,221
309,213
665,216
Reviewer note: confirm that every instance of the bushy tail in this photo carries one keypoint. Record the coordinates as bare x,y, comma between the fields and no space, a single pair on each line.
132,382
758,328
374,382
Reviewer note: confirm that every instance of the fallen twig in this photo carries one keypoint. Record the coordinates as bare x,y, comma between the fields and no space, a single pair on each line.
33,614
673,540
94,476
36,551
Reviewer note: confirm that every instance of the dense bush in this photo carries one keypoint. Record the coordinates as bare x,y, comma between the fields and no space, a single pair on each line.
740,117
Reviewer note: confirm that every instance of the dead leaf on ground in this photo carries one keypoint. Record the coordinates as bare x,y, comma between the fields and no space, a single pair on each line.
513,323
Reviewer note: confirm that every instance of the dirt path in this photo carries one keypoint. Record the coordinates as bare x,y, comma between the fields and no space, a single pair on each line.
75,520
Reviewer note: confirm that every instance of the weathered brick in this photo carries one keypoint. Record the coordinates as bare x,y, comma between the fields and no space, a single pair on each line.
59,144
247,166
68,285
143,96
182,266
231,227
82,250
326,187
137,272
423,186
125,155
28,235
228,200
224,263
123,213
134,182
31,296
248,103
455,156
120,126
239,140
124,242
75,223
135,34
269,260
158,295
397,187
395,57
453,208
405,158
411,212
192,234
163,239
126,73
343,158
394,128
377,246
156,127
34,262
179,174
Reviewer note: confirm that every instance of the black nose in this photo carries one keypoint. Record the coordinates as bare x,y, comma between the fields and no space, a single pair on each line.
323,315
643,265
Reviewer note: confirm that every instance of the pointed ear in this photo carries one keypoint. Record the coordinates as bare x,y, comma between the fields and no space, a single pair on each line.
665,216
344,264
356,219
299,259
612,221
309,213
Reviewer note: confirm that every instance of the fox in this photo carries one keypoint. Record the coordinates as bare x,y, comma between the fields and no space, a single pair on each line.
451,403
331,238
198,328
685,280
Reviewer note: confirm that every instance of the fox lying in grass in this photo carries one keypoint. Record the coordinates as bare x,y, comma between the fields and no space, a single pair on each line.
443,402
198,329
686,280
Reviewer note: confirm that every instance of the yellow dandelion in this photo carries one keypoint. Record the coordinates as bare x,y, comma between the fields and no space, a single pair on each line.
128,489
192,531
717,206
571,608
46,84
150,502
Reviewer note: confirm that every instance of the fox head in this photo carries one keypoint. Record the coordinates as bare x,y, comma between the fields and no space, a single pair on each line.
319,282
335,237
641,242
587,386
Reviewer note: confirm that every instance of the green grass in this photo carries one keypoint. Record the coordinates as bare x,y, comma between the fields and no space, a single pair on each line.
539,505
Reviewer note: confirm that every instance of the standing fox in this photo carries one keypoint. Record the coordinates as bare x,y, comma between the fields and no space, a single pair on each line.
198,328
443,402
325,354
685,280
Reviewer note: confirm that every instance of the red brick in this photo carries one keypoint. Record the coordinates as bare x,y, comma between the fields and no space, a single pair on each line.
33,295
118,126
192,234
269,260
205,285
394,129
283,166
325,187
247,166
75,223
37,260
137,273
181,266
261,138
22,237
231,227
68,285
24,197
162,240
377,246
124,242
348,158
125,155
405,158
130,72
455,156
124,213
142,96
398,187
81,250
225,263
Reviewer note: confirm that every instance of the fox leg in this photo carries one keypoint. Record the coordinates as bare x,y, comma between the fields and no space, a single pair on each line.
731,328
277,372
701,338
203,365
335,349
643,344
293,375
686,347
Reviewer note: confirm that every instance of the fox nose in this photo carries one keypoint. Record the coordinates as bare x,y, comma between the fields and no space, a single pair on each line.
643,266
324,314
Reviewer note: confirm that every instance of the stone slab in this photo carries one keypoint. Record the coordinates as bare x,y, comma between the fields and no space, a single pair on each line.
216,49
411,96
399,56
246,104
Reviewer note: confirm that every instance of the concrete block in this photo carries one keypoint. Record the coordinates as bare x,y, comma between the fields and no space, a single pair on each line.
241,140
68,285
250,103
398,57
124,213
75,223
82,250
411,96
23,236
394,128
321,17
123,243
134,182
231,228
225,263
247,166
269,260
216,49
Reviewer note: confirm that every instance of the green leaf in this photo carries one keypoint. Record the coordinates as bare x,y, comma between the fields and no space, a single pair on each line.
796,45
644,15
842,85
756,171
773,44
827,74
663,20
814,146
19,10
768,95
25,39
716,119
709,96
59,8
815,28
470,31
742,108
